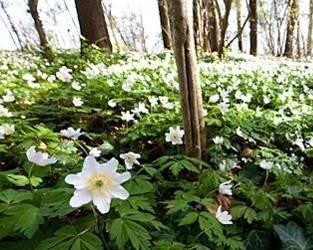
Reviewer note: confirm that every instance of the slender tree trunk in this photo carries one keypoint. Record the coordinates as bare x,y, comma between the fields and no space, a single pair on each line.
238,12
165,24
213,33
92,24
189,83
298,39
197,23
310,30
224,26
253,27
13,27
293,14
33,8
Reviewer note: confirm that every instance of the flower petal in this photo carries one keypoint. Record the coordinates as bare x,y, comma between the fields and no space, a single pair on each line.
110,166
119,192
80,197
121,178
77,180
90,166
102,203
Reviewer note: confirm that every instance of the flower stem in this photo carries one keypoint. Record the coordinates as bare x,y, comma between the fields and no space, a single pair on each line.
266,177
29,178
100,227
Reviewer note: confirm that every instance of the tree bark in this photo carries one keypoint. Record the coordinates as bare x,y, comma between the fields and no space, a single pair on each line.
224,26
92,24
238,15
165,24
44,44
253,5
293,14
213,34
189,82
310,30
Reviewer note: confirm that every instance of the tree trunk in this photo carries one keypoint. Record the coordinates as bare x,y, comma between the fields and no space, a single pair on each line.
198,23
213,35
189,82
238,15
253,5
293,14
224,26
92,24
165,24
310,29
13,27
47,51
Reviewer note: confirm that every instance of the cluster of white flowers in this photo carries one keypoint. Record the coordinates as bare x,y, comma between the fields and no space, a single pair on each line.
64,74
6,129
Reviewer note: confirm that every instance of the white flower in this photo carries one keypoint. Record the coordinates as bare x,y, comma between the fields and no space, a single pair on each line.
51,78
71,133
141,108
98,183
153,101
127,86
266,164
225,188
5,112
223,217
214,98
64,74
95,152
76,86
218,139
39,158
9,97
77,102
223,106
130,159
299,143
175,135
165,103
112,103
28,77
33,85
7,129
204,112
239,132
127,116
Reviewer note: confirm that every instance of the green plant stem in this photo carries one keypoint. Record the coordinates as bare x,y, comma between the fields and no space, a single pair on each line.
29,178
266,177
100,227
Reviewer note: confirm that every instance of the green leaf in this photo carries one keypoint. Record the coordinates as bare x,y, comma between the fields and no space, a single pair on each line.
24,218
18,180
69,238
10,196
189,219
250,215
123,230
292,237
258,240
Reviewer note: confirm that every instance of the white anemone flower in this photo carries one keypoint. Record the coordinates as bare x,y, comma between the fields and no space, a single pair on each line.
77,101
98,183
153,101
71,133
76,85
95,152
225,188
7,129
127,116
175,135
112,103
267,165
223,217
8,97
130,159
218,139
39,158
64,74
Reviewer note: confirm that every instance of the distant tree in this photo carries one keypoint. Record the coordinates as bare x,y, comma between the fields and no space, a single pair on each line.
165,24
92,24
238,16
224,23
293,15
189,82
213,30
310,30
253,5
44,44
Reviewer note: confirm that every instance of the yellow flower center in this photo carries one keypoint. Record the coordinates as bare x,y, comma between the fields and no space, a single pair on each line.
100,184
